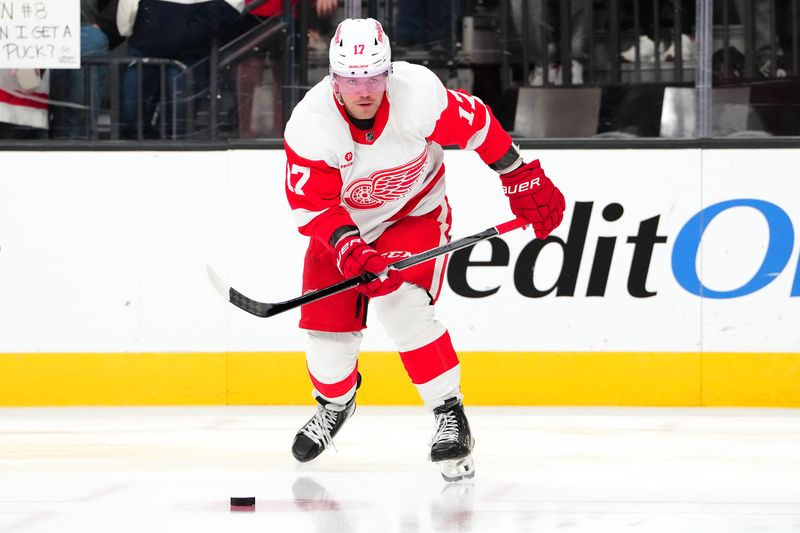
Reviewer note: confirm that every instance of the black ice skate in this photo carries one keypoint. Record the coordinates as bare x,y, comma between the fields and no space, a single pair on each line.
451,445
317,434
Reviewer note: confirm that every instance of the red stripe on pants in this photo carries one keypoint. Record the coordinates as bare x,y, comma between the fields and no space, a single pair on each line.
430,361
334,390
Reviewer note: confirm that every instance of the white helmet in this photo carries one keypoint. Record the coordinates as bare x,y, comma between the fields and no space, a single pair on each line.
360,48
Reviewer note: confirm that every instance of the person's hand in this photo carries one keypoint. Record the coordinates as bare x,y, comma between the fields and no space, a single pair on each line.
533,196
326,7
355,257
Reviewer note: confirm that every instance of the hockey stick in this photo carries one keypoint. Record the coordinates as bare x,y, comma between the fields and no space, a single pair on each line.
264,310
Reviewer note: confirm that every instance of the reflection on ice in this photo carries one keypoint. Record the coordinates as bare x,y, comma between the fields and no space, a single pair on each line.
570,469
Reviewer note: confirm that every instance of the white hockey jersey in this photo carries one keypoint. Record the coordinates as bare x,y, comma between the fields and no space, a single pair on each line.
338,175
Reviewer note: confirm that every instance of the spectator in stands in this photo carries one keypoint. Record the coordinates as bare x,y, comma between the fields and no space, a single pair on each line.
325,8
24,103
761,22
320,27
761,37
543,40
424,24
181,30
250,69
647,20
98,35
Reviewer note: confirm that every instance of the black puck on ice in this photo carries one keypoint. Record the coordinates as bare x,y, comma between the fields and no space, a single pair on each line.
243,503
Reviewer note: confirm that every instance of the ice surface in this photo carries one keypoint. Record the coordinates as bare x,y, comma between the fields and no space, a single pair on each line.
115,470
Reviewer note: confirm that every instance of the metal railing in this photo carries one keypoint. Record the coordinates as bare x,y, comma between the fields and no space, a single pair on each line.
745,27
224,57
171,99
745,36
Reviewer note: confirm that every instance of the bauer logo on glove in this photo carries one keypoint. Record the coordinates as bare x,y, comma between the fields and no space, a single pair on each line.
509,190
533,197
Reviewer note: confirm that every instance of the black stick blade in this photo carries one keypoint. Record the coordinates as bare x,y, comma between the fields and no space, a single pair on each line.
253,307
238,299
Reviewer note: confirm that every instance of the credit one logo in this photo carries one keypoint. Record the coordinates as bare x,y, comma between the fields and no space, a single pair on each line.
684,255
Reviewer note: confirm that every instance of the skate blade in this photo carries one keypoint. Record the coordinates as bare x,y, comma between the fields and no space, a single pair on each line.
457,469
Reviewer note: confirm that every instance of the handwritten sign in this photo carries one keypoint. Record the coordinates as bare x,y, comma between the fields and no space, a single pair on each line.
40,34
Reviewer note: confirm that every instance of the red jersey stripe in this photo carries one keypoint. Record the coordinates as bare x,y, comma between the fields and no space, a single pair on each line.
8,98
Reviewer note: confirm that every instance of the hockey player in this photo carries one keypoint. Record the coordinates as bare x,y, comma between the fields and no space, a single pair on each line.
365,181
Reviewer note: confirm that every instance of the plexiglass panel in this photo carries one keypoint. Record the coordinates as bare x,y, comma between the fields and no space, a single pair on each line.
553,69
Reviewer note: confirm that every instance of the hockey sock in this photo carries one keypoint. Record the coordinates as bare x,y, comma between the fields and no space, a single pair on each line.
435,370
332,361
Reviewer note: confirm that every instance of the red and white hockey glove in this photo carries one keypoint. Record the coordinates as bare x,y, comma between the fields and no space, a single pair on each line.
533,196
355,257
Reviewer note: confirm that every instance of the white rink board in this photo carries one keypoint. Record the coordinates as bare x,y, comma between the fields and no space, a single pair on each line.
106,252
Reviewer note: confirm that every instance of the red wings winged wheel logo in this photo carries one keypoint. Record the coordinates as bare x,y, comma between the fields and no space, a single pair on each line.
385,185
